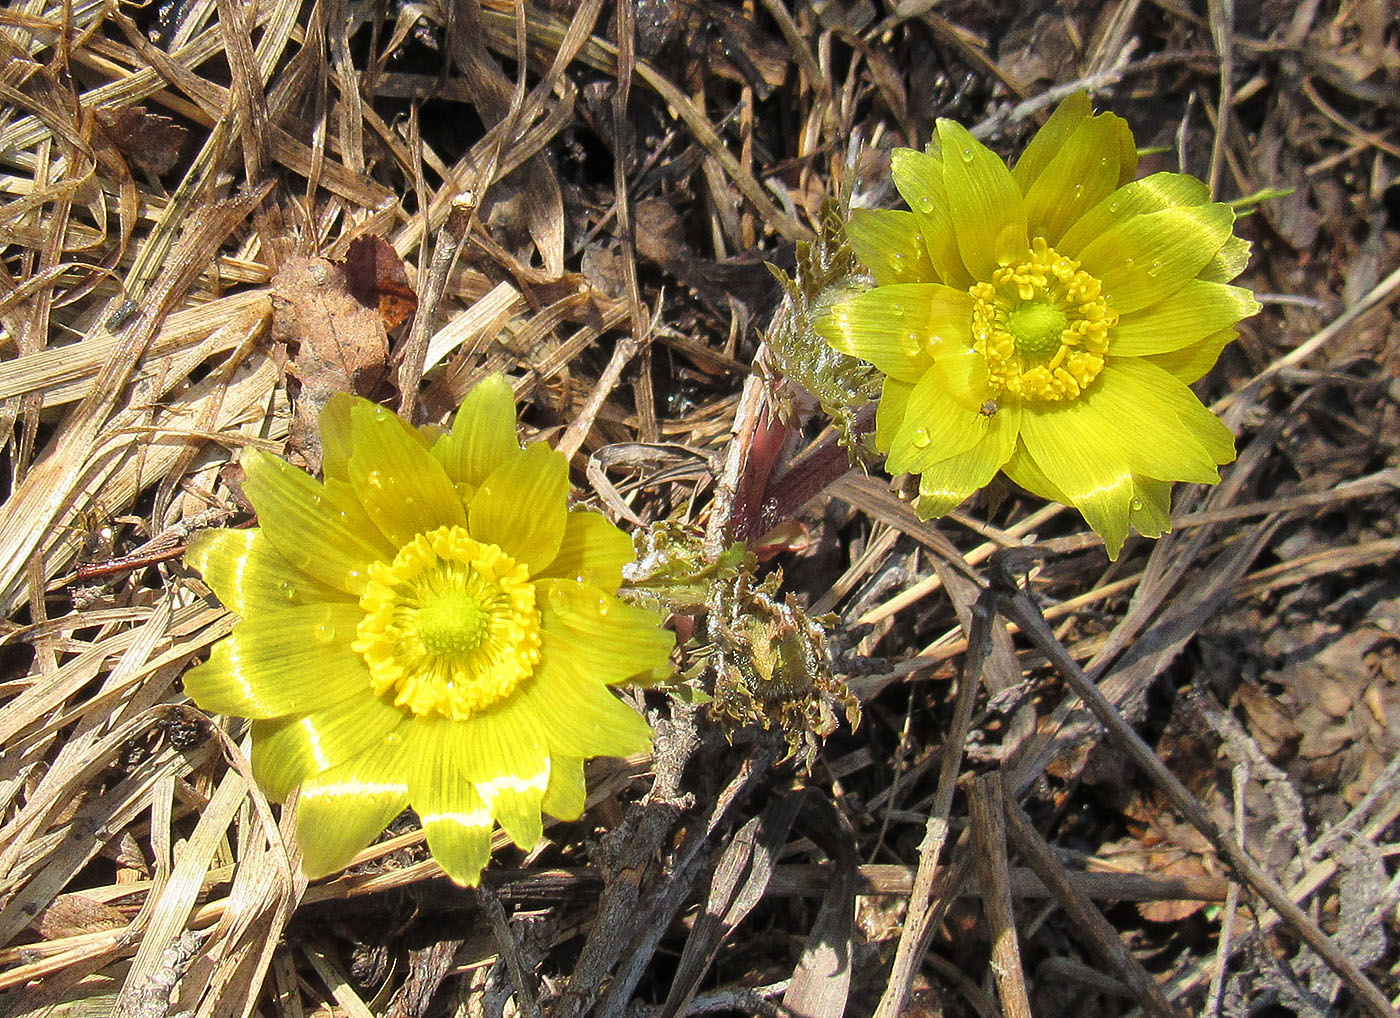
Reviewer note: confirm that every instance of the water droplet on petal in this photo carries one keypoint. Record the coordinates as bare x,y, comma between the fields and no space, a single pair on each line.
289,591
1154,268
921,438
1078,190
897,310
1113,207
325,634
602,606
926,203
967,155
1136,505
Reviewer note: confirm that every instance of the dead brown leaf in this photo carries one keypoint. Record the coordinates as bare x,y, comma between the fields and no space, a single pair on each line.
150,141
376,277
342,345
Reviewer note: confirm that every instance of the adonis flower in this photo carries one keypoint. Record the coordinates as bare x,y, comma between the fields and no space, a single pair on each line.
429,626
1045,321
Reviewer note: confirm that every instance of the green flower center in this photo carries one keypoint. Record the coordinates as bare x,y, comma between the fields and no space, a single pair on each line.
1043,326
1036,327
450,625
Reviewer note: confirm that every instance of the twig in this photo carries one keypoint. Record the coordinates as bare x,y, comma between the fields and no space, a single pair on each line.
1019,608
919,927
989,839
1089,921
445,251
505,940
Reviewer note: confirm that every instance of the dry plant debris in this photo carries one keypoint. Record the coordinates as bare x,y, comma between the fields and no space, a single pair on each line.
214,215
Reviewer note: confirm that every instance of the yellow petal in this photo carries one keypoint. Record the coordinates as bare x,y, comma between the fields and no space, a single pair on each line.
987,208
947,484
1190,363
288,750
1186,316
593,550
1080,175
891,246
335,428
1051,139
522,506
1150,511
1073,454
1154,423
482,435
308,527
1023,471
1146,258
288,661
896,327
889,413
1228,262
941,418
567,793
343,809
403,489
1149,506
1152,193
455,819
502,753
249,576
615,640
581,718
919,178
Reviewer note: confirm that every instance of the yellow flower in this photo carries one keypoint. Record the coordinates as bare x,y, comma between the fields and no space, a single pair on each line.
1046,320
430,626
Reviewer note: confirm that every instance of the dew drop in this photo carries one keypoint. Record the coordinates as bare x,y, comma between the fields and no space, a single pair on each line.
1136,505
602,606
317,499
897,310
392,738
1155,268
325,634
289,591
921,438
926,203
375,479
1078,190
967,155
1113,207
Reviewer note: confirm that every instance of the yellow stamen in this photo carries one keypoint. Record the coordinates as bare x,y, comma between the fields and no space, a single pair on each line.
450,625
1042,325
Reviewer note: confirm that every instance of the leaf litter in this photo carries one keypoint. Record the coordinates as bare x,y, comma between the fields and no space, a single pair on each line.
214,215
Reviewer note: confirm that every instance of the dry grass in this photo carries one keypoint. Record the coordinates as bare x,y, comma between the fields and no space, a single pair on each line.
582,196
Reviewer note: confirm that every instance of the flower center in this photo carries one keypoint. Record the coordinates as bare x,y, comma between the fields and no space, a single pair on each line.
450,625
1042,325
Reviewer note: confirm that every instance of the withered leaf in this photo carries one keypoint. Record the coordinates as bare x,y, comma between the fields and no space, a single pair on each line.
375,275
71,914
151,141
341,345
